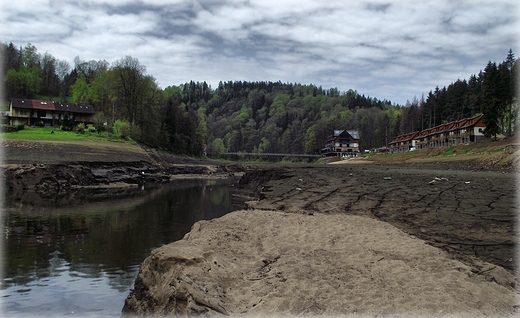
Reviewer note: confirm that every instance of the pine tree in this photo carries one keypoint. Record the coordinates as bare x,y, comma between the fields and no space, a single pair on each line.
491,108
509,84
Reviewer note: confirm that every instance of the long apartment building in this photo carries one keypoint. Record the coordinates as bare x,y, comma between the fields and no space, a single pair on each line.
49,113
463,131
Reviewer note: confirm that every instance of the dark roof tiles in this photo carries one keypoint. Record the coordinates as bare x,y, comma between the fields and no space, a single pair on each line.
21,103
40,104
451,126
353,133
75,108
51,105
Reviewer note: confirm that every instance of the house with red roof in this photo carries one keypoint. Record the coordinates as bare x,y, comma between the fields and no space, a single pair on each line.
403,142
463,131
49,113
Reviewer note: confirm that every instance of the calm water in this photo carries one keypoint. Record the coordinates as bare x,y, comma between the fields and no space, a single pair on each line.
83,260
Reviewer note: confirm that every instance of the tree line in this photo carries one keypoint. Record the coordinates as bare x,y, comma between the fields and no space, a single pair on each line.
241,116
491,92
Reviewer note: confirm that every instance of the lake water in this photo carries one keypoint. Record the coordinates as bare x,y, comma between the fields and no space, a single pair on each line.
82,260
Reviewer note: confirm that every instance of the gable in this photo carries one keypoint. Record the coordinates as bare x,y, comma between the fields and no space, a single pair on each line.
346,134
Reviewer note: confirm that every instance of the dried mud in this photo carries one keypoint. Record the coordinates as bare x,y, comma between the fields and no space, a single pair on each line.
467,213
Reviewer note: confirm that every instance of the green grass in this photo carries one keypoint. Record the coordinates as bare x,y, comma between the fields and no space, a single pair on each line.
32,133
450,151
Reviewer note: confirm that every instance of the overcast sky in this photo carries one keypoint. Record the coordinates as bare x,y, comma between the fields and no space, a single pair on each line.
392,50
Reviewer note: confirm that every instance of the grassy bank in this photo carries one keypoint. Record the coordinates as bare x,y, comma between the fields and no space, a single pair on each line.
50,134
478,150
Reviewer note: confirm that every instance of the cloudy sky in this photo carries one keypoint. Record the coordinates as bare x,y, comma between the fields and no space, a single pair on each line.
392,50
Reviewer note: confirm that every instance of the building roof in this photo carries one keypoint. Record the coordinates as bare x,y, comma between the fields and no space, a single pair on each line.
451,126
52,105
405,137
74,107
473,121
41,104
21,103
353,133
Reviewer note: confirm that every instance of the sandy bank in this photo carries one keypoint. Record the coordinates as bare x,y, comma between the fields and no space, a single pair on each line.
267,262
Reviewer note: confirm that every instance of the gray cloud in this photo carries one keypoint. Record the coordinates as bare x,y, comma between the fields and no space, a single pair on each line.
386,49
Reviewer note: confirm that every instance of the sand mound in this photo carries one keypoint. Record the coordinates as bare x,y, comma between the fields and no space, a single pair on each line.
275,263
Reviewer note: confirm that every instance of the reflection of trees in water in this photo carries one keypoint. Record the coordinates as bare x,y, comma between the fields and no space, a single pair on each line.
21,198
112,242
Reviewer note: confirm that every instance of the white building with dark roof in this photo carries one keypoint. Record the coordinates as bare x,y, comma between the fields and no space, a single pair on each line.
50,113
343,143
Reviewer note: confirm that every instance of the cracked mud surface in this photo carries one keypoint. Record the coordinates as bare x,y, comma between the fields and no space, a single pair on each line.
419,240
468,213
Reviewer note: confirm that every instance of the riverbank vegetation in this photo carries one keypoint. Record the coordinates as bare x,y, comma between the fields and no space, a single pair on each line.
242,116
52,134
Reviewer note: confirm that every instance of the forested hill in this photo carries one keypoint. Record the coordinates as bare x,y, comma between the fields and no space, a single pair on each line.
251,116
286,118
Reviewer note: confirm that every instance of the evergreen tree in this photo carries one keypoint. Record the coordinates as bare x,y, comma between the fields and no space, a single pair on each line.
491,108
510,84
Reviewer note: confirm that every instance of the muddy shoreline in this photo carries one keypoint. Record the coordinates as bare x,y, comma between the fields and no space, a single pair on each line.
341,240
80,182
465,210
468,213
459,206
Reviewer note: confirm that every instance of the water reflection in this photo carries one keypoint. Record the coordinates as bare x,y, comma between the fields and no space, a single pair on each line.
84,259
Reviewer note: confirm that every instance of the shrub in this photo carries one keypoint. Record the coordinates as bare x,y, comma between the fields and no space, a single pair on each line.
122,129
91,128
11,128
130,131
39,123
116,129
81,128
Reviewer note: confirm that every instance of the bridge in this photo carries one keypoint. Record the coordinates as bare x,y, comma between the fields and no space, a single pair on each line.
266,155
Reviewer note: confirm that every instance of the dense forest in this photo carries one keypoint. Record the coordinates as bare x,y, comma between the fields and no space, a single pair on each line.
242,116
